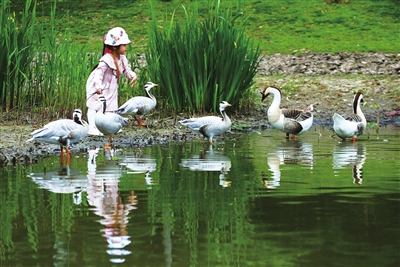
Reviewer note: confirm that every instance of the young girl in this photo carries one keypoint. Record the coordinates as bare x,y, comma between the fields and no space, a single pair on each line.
105,77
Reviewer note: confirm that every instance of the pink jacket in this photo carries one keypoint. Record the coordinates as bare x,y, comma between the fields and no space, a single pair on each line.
105,77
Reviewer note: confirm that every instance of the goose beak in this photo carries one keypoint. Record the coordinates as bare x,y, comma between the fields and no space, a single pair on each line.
154,84
263,96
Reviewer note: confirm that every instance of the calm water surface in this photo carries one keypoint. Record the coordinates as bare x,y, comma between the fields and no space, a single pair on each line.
255,200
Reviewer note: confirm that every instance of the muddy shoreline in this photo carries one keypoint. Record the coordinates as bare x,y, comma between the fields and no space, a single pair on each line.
326,80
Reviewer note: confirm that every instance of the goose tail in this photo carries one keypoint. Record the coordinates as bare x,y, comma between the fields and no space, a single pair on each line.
338,118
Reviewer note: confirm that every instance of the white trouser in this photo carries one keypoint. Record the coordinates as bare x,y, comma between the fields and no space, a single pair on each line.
91,113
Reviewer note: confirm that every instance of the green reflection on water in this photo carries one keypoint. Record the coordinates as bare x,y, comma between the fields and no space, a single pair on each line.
258,200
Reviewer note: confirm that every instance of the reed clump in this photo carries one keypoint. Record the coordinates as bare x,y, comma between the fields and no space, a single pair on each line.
42,70
202,62
16,52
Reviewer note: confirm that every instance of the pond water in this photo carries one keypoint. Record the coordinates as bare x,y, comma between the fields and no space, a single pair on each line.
252,200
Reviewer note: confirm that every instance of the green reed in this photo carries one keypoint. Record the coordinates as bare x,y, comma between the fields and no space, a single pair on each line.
202,62
44,71
61,70
16,52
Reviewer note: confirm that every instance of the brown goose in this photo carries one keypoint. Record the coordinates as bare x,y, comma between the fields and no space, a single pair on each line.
289,121
351,125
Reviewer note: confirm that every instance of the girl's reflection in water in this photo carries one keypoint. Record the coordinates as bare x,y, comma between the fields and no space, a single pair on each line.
104,196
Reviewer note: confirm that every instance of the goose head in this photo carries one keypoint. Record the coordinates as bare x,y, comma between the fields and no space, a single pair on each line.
77,115
223,105
269,90
149,85
102,98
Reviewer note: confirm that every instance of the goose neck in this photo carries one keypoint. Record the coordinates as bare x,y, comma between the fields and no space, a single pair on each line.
277,100
149,95
361,114
77,120
104,107
224,115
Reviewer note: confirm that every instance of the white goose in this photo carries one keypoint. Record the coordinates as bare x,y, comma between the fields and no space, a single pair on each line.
351,125
108,123
210,126
289,121
139,105
63,132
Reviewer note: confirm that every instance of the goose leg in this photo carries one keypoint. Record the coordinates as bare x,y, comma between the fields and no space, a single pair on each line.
108,146
109,152
141,124
61,152
61,161
61,156
67,152
68,156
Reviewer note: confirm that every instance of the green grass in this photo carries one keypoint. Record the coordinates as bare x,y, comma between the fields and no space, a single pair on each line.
278,26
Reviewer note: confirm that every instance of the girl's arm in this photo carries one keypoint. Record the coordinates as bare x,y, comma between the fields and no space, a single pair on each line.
128,72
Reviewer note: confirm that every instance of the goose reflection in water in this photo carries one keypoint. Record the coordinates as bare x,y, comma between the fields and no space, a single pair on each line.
139,164
289,152
210,161
63,180
104,196
354,155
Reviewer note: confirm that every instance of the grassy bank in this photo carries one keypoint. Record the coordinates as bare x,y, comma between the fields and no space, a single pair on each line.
278,26
64,33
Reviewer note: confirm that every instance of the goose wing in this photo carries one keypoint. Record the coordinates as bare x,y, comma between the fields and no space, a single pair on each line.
215,128
292,126
197,123
76,135
298,114
117,118
110,123
292,113
353,118
137,105
55,129
297,121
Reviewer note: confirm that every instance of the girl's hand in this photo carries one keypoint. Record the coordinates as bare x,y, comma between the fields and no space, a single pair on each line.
99,91
133,81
